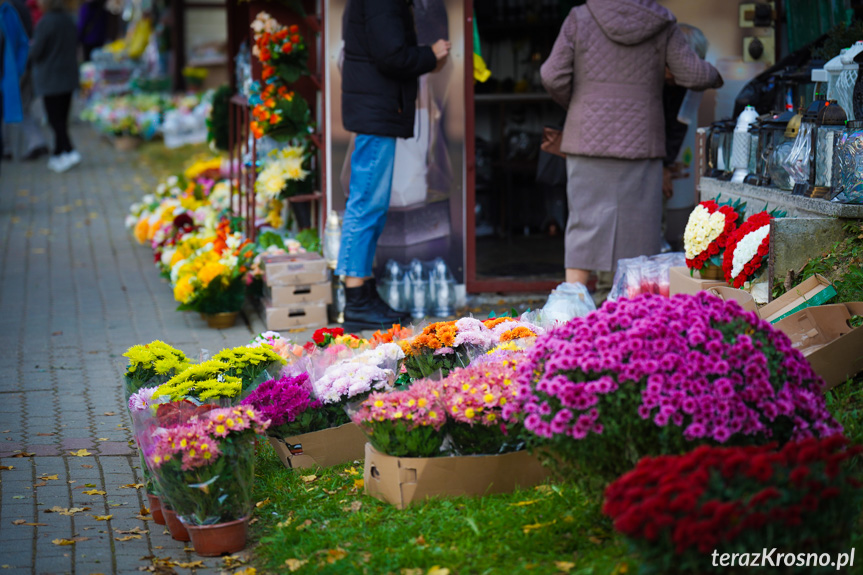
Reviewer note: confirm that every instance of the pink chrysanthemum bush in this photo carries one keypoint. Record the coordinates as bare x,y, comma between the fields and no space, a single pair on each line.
655,375
677,510
205,466
405,423
481,407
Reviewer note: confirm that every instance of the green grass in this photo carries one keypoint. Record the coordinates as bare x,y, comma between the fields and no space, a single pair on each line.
328,523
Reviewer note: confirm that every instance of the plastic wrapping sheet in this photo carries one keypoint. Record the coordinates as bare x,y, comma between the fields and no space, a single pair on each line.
636,276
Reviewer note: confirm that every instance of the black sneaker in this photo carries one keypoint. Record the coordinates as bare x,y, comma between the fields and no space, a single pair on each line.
363,312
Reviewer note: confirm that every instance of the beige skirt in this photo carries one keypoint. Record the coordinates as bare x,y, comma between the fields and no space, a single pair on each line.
615,211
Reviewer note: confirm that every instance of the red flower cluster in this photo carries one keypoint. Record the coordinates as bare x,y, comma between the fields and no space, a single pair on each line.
760,258
717,245
325,335
717,496
271,46
267,112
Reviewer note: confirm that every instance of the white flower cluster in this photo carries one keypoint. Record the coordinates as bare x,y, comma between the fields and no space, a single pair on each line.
281,167
263,22
701,229
747,248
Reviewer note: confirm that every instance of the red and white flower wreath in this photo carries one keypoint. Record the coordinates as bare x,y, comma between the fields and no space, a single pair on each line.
707,233
746,252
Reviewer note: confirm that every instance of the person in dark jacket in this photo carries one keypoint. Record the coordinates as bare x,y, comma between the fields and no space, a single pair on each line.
382,63
55,77
92,26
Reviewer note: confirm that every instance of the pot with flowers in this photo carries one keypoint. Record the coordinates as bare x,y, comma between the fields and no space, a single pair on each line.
284,174
150,365
481,407
205,468
689,513
281,49
278,112
655,375
706,234
212,280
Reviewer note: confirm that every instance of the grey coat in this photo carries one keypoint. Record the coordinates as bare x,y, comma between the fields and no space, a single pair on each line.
54,54
607,68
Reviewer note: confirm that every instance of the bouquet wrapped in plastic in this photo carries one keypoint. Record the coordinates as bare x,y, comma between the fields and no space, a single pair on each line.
151,365
205,465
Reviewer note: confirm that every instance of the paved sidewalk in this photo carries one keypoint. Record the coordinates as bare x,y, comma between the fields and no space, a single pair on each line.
76,291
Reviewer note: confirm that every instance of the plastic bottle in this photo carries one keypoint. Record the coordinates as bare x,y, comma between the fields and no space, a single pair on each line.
740,144
332,239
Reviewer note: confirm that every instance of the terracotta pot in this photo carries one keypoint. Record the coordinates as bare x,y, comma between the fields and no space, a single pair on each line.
222,320
126,143
156,509
711,272
219,539
175,526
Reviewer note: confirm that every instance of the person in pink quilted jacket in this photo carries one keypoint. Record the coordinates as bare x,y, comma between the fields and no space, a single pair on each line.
607,68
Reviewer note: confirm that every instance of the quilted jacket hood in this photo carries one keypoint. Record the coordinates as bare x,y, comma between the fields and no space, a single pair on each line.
630,22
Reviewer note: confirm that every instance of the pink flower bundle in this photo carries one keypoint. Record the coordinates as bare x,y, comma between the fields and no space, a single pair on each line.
653,375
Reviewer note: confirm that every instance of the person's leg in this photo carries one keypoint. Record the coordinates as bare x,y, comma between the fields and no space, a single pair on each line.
64,104
52,112
365,213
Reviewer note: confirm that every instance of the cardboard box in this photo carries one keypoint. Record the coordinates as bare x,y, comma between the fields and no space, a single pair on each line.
729,293
831,345
294,316
680,281
405,480
296,269
815,290
321,448
280,296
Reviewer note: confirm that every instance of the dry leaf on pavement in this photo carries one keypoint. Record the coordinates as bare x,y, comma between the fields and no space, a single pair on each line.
80,453
70,541
127,538
64,511
94,492
102,517
132,486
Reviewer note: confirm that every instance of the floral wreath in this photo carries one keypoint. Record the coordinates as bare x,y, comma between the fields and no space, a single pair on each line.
707,232
747,249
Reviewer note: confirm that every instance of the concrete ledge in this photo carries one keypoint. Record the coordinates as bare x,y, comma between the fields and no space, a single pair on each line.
796,206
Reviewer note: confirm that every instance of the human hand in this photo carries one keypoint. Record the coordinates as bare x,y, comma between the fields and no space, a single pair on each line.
441,49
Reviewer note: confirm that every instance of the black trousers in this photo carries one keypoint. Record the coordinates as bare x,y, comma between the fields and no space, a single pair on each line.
57,109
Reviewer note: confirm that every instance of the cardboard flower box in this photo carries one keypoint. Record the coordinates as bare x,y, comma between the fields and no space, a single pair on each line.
679,281
293,316
294,269
323,448
814,291
401,481
824,335
282,295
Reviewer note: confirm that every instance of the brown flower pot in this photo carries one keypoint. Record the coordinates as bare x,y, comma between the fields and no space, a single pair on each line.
711,272
126,143
222,320
175,526
219,539
156,509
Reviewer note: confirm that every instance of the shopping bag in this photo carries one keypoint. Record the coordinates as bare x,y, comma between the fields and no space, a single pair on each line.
411,164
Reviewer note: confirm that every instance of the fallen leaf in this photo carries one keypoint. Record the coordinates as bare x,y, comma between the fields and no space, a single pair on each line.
45,434
133,531
522,503
132,486
104,439
24,454
31,524
48,477
353,471
595,540
72,481
89,485
143,518
102,517
308,478
80,453
565,566
435,570
328,492
94,492
233,561
534,526
359,483
420,540
191,565
64,511
543,488
354,507
6,467
70,541
188,549
247,571
17,497
19,522
109,413
334,555
87,466
260,504
40,484
295,564
412,571
127,538
304,524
